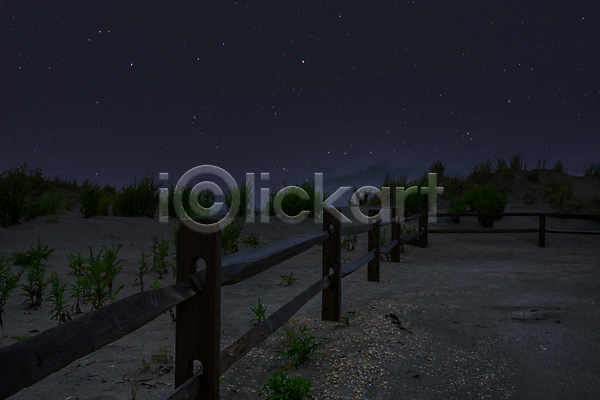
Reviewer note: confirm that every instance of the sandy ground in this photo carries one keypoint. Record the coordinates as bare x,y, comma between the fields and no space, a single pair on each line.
472,316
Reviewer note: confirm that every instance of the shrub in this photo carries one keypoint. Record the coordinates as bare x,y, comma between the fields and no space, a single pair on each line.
104,205
486,199
137,199
515,162
231,236
47,203
15,187
245,195
293,205
90,195
437,167
592,170
541,163
457,205
559,166
482,173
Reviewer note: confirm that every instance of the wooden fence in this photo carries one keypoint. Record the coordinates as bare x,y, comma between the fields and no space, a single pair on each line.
197,298
541,230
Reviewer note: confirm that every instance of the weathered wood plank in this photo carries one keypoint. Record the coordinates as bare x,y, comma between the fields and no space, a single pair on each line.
415,235
240,266
356,229
574,232
359,262
473,214
491,230
384,249
30,360
575,216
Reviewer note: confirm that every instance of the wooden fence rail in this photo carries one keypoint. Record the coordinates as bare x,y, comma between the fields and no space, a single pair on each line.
541,230
197,297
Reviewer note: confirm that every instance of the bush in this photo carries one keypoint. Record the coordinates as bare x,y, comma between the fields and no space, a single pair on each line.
559,166
592,170
482,173
516,163
48,203
90,195
137,199
245,195
15,187
437,167
457,205
486,199
293,205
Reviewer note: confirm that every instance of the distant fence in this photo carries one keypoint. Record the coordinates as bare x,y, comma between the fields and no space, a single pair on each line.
540,230
197,297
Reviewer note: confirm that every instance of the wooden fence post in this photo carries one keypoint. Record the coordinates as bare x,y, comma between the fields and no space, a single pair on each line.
331,296
374,244
423,227
542,234
199,318
395,229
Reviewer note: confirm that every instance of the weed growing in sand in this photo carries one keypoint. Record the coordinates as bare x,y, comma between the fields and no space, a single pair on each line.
160,251
157,285
78,293
159,359
36,284
143,269
259,313
231,235
28,257
57,297
281,386
95,278
111,266
345,321
349,242
76,263
288,279
253,240
345,259
300,344
8,281
382,242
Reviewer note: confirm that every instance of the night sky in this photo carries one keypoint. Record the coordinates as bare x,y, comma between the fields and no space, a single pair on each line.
113,90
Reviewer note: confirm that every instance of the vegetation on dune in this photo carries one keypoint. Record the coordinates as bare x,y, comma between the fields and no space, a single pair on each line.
25,194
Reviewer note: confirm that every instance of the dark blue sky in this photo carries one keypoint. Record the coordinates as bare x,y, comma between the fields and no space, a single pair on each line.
112,90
